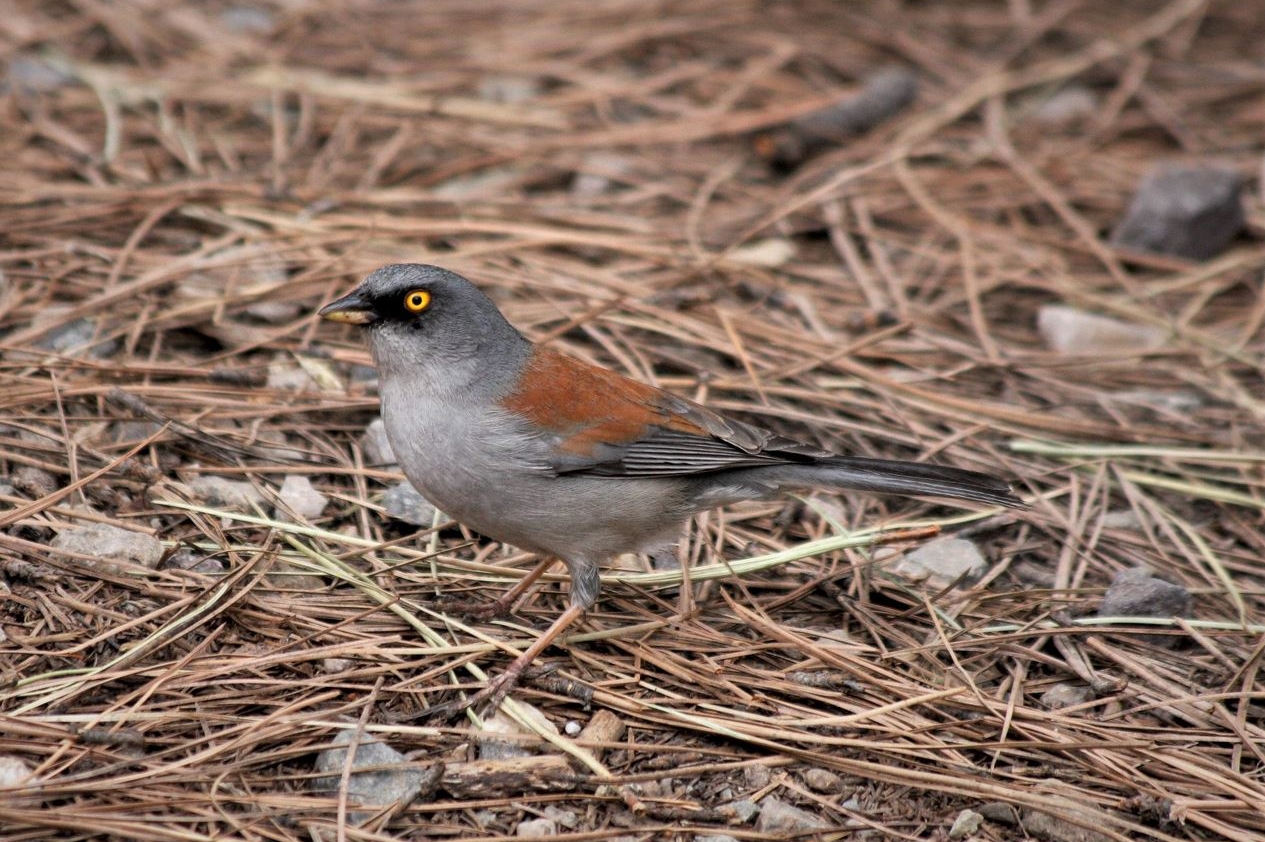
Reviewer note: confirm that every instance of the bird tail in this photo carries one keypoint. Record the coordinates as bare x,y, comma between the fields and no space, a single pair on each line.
886,476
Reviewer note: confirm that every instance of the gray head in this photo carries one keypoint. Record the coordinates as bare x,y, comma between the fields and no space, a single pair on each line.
426,321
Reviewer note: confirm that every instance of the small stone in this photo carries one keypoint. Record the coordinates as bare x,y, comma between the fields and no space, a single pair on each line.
1136,593
403,502
1067,107
1122,519
502,738
18,785
742,811
33,482
1057,828
536,828
74,338
292,378
757,776
598,172
1066,695
966,824
563,818
108,544
376,447
275,312
939,563
333,666
779,817
131,432
572,728
187,559
1188,211
389,779
1071,331
823,780
225,493
770,253
715,837
299,497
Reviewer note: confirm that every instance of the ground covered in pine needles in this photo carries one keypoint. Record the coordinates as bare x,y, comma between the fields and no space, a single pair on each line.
183,185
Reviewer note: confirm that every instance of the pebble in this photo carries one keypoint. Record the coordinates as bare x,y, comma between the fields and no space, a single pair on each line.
225,493
1068,330
1137,593
1184,210
108,543
75,338
823,780
536,828
333,666
502,738
939,563
1065,695
18,785
298,495
780,818
403,502
1067,107
388,779
376,447
966,824
33,482
187,559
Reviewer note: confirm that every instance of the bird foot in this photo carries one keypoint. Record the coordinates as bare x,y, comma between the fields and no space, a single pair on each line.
490,696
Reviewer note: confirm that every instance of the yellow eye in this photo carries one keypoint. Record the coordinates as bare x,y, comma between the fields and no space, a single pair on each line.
417,301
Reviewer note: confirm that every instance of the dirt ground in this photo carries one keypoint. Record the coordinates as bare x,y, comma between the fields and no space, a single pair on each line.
888,228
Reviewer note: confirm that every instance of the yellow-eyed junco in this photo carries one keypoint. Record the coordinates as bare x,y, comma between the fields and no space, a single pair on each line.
566,459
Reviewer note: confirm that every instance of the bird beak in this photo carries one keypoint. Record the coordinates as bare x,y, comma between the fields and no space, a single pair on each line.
353,309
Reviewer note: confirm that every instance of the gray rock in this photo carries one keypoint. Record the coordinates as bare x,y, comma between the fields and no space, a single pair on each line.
966,824
939,563
18,785
388,779
715,837
536,828
108,544
75,338
1071,331
224,493
1066,695
779,817
502,738
403,502
1137,593
563,818
376,447
298,495
742,811
1188,211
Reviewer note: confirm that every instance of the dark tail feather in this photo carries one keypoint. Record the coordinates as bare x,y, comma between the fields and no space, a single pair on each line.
886,476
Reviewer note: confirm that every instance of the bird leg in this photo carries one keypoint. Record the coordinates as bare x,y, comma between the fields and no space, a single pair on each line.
505,602
497,688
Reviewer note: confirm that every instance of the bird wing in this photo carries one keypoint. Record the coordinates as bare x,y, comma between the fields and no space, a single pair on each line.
601,423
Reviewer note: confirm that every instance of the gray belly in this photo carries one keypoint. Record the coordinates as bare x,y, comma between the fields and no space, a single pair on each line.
489,477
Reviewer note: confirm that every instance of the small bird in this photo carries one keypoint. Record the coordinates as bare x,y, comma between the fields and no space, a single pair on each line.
569,460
